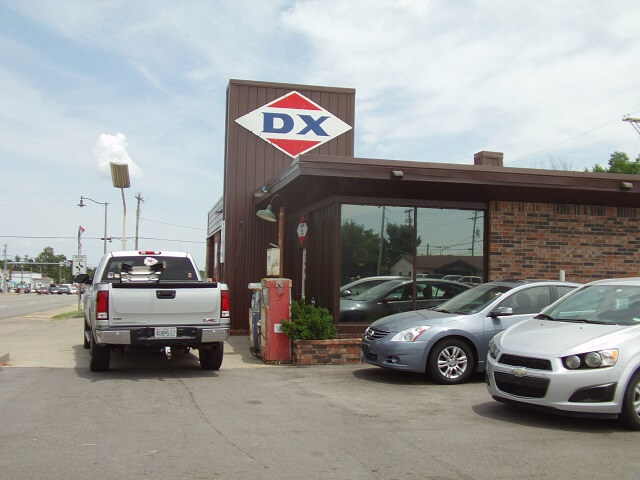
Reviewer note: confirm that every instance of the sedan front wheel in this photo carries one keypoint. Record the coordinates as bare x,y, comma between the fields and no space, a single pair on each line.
630,416
450,362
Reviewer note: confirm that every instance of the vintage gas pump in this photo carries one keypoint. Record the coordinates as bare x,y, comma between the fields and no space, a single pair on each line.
275,308
255,311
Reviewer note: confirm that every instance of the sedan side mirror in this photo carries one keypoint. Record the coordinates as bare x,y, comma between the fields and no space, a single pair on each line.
501,312
345,293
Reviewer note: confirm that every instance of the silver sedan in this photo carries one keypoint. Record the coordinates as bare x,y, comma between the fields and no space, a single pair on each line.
580,356
450,341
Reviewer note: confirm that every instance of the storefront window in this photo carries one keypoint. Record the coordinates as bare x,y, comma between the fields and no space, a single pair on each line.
379,241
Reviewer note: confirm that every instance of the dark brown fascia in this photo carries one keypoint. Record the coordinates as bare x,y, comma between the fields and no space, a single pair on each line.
486,182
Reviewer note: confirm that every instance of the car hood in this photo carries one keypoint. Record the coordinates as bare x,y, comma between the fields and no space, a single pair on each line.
556,338
402,321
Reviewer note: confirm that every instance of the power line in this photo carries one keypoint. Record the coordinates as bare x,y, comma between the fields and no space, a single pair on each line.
172,224
617,119
172,240
97,238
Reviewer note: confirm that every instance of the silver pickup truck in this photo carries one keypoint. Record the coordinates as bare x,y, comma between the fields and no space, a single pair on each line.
154,300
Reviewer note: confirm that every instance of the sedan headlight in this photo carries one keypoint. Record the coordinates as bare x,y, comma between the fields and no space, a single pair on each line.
602,358
410,334
494,350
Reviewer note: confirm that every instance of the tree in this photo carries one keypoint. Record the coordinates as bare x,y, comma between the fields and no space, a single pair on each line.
360,248
619,163
400,240
54,270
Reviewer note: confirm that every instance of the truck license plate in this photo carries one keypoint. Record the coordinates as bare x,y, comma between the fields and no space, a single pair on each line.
165,332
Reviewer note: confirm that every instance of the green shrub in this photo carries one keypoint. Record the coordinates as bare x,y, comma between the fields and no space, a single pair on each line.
309,322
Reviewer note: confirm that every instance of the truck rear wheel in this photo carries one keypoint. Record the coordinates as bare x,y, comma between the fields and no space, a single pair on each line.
87,335
211,358
99,356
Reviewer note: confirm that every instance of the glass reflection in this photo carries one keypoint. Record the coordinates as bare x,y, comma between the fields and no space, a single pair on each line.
378,241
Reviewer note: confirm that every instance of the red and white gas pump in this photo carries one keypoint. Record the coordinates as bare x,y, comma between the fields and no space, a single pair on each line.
276,308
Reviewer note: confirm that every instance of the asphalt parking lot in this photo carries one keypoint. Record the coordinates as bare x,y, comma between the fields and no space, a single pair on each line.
150,417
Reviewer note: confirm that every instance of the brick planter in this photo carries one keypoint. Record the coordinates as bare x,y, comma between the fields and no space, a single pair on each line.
325,352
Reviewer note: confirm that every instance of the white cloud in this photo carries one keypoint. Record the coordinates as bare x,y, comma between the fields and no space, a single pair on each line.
113,149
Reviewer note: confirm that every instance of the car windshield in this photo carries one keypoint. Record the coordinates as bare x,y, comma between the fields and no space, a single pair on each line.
473,300
605,304
377,291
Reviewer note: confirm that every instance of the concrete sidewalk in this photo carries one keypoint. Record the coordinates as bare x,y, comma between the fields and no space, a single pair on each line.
39,340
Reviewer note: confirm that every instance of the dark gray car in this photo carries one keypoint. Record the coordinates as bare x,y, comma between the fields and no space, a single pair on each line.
451,341
396,296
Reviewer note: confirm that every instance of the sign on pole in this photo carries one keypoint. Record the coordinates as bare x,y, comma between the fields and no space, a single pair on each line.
79,264
302,230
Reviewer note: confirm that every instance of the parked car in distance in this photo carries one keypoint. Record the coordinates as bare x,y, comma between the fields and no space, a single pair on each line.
453,278
42,290
64,289
69,289
580,356
451,341
54,290
472,280
361,285
396,296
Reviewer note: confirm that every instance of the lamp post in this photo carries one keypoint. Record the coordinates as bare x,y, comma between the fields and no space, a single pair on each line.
268,215
81,204
120,179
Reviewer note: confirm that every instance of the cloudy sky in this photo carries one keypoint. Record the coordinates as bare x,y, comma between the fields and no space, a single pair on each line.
83,84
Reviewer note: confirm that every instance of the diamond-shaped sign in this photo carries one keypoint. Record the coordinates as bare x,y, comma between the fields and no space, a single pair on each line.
293,124
302,230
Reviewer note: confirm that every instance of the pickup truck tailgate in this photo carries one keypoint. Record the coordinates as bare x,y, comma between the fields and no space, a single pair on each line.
164,304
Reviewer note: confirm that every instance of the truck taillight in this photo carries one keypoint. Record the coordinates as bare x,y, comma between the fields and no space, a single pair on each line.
225,309
102,306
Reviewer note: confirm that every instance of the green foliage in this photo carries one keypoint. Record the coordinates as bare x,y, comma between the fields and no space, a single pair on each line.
400,240
619,163
360,248
59,270
361,251
309,322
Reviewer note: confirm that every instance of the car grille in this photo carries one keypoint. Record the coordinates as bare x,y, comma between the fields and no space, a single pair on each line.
370,356
373,334
527,362
530,387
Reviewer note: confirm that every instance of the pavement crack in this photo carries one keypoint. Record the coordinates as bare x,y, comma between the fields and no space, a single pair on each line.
216,429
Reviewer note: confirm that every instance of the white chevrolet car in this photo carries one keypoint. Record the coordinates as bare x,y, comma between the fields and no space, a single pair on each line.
580,356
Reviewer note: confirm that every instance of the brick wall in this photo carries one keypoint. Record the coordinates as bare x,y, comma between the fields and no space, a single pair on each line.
325,352
537,240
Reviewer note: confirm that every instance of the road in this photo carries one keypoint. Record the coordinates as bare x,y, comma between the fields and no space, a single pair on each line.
164,419
13,304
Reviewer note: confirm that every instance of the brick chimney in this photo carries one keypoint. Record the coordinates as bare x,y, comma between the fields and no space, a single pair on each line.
492,159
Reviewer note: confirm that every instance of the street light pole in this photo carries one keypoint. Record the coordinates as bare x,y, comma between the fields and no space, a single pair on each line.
120,179
124,221
81,204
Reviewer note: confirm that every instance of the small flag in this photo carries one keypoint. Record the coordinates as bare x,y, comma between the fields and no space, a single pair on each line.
80,231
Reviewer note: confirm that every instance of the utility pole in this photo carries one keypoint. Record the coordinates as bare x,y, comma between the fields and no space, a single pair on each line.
140,199
473,233
381,238
635,122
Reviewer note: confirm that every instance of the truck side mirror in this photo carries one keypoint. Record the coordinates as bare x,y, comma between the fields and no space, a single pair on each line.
82,278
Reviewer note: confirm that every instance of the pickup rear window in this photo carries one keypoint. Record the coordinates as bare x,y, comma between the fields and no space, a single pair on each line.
174,268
